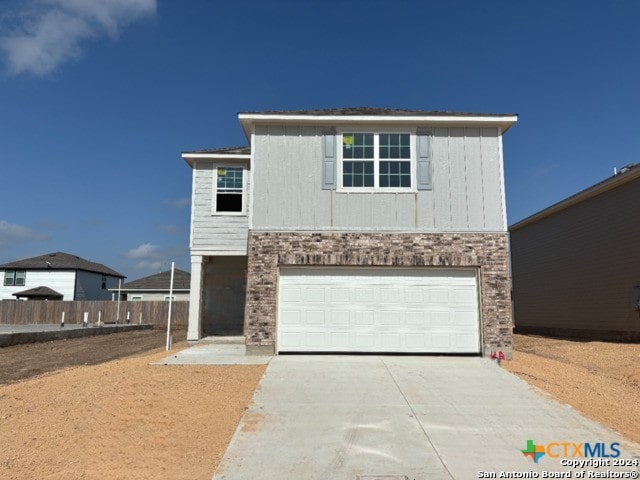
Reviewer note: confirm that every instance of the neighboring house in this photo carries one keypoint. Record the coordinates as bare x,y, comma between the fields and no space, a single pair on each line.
156,287
63,276
359,230
576,267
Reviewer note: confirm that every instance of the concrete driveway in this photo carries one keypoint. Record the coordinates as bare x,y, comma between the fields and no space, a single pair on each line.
396,417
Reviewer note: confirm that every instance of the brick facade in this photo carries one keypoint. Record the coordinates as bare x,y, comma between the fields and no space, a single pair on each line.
267,251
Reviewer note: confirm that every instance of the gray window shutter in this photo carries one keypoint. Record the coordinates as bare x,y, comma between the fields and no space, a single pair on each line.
423,138
329,160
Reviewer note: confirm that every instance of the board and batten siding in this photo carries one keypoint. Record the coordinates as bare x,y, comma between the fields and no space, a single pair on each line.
576,269
466,196
211,232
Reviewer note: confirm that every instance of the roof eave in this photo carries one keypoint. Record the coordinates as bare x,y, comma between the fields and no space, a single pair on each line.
593,191
191,158
247,120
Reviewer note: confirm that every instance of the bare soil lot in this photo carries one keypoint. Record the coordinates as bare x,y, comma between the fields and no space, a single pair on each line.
95,408
121,419
23,361
599,379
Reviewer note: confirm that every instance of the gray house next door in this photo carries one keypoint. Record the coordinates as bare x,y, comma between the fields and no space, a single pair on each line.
224,295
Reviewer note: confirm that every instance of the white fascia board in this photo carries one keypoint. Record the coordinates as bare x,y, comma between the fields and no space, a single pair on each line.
218,253
228,156
149,290
191,157
503,121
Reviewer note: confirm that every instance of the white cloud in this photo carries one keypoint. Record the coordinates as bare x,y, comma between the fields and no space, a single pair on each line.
145,250
49,33
153,258
12,234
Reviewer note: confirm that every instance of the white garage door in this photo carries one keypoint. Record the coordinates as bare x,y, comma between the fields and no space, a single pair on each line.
378,310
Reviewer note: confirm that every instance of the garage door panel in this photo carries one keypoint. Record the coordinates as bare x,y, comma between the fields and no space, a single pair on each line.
291,294
291,317
417,340
339,340
338,317
364,294
365,341
440,318
378,310
414,295
313,294
463,295
340,295
365,317
389,318
417,319
390,295
465,319
315,318
441,341
438,295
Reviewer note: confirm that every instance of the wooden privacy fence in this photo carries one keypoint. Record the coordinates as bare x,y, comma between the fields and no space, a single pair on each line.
29,312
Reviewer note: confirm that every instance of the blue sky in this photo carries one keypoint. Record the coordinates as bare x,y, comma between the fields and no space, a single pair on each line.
99,97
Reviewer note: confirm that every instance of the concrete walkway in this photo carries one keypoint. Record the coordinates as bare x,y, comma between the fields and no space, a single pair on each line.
216,351
395,417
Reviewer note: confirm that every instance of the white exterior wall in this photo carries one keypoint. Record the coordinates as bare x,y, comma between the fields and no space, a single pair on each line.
61,281
158,296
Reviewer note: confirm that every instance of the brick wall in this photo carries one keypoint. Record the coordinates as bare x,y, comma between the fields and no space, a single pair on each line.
486,251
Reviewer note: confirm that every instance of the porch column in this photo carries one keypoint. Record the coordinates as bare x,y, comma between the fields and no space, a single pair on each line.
194,331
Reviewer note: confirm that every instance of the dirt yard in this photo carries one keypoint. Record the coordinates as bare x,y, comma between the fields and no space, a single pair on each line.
599,379
95,408
121,419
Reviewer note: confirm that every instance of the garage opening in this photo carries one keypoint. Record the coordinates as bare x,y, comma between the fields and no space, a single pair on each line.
366,309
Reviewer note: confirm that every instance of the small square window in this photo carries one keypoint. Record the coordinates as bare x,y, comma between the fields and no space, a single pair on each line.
15,278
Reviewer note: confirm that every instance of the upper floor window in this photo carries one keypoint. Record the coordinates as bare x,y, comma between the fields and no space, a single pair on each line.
229,190
376,161
14,277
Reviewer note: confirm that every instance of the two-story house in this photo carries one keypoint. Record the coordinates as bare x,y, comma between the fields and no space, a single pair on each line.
57,276
354,230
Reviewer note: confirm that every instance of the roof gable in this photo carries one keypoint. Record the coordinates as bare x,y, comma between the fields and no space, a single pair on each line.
160,281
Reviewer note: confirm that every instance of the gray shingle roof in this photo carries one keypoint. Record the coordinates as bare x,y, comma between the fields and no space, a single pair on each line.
626,174
60,261
246,150
160,281
38,292
357,111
